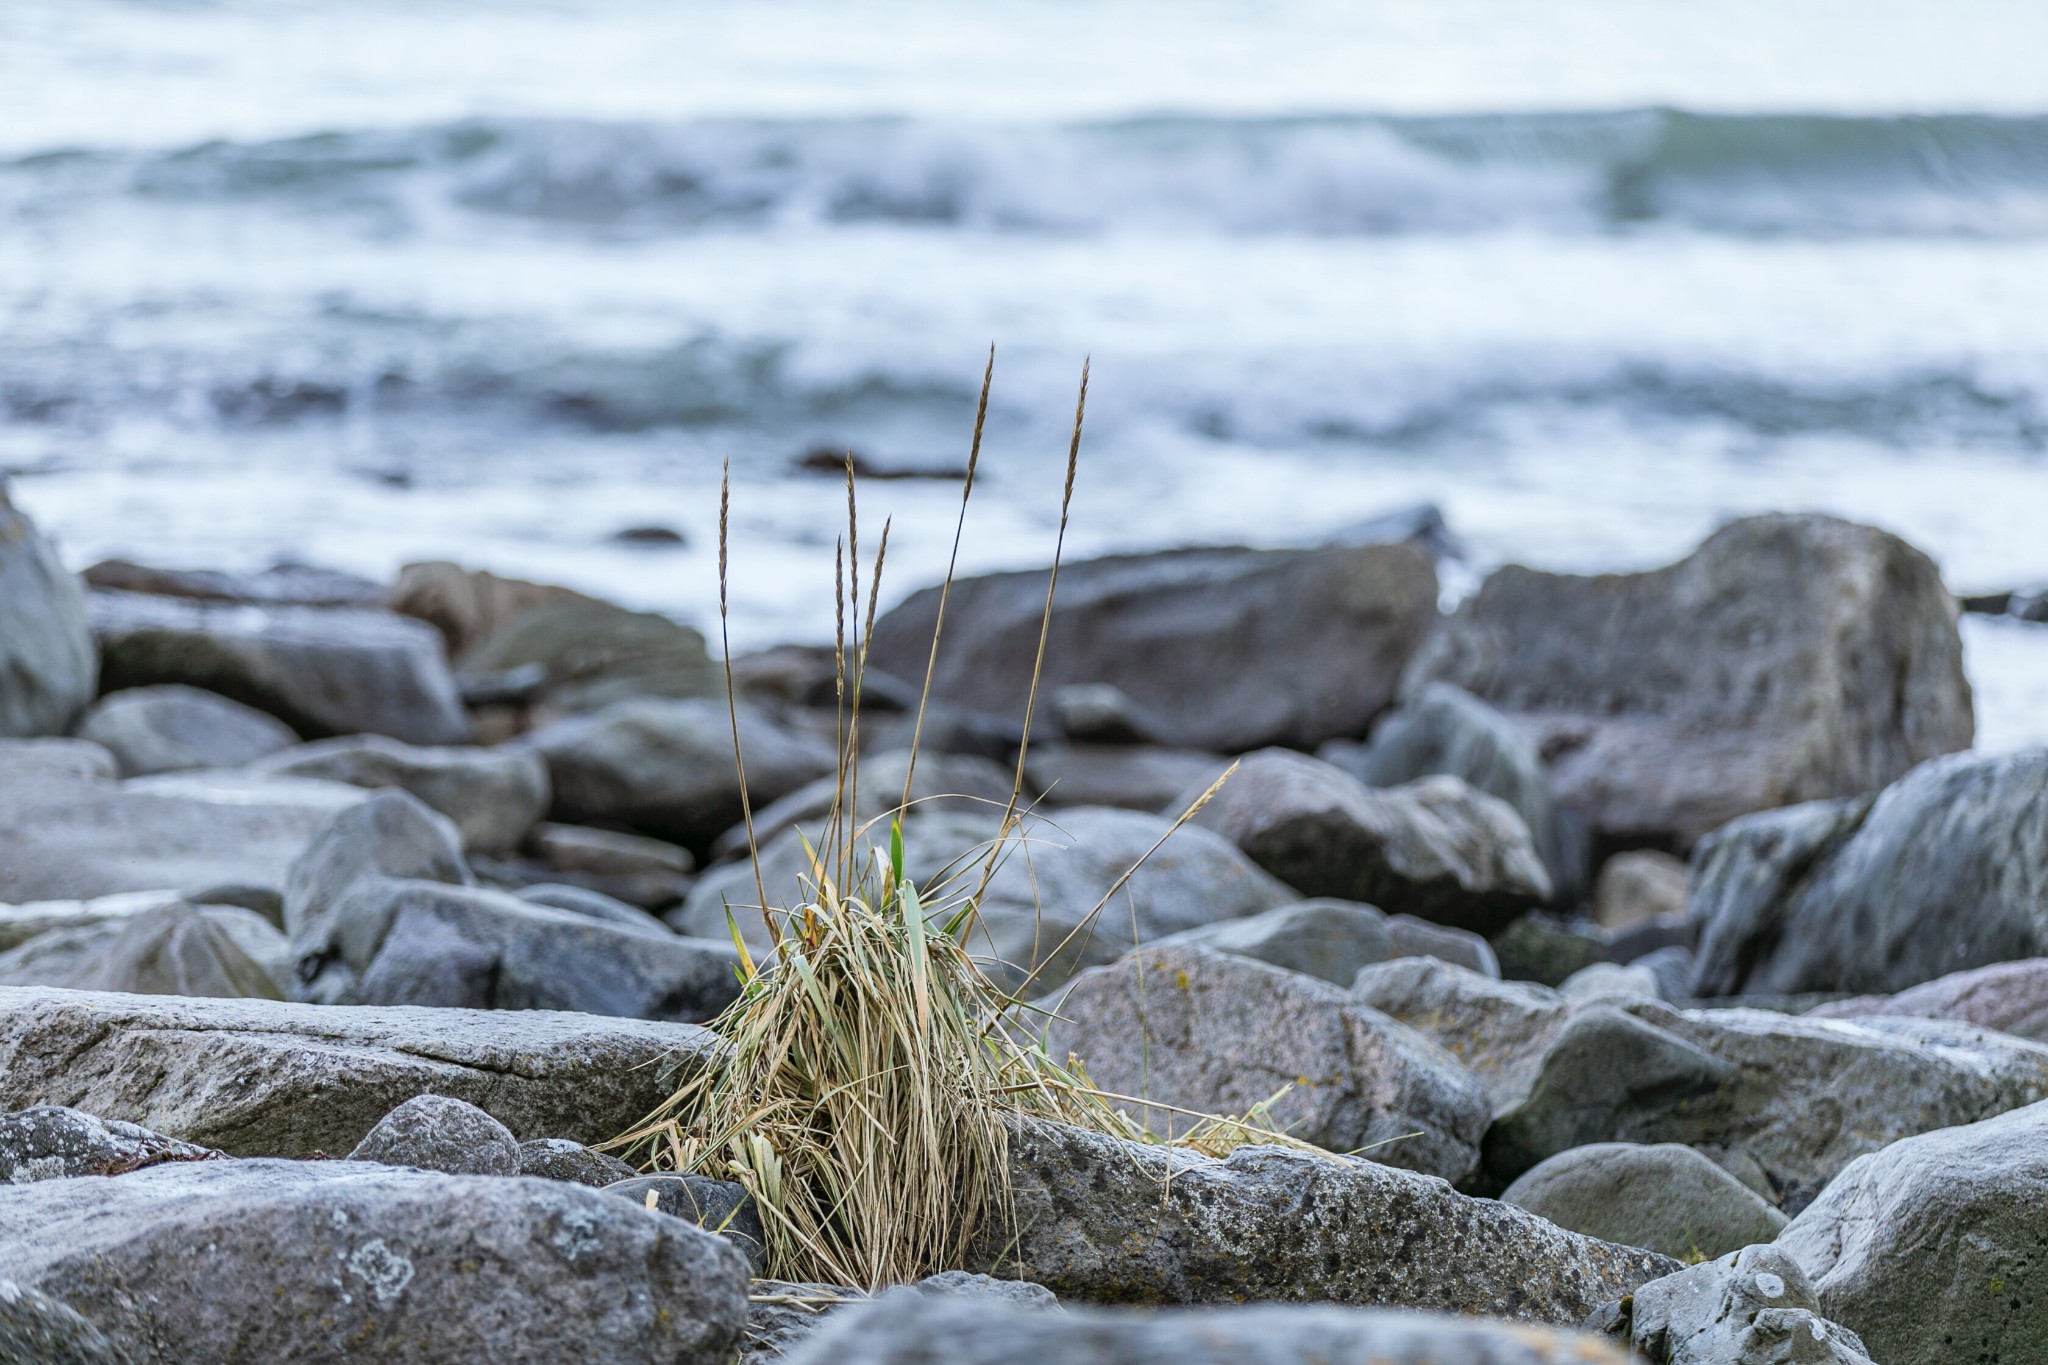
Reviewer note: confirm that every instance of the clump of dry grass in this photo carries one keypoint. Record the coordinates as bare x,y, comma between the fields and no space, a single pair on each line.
872,1067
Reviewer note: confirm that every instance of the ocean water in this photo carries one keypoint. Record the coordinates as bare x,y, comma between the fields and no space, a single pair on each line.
365,281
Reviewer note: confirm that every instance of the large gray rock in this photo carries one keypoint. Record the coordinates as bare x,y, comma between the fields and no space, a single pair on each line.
264,1078
47,663
1931,1248
1101,1219
2010,997
383,838
494,796
1945,870
667,766
1333,940
1664,1197
339,1261
561,1159
38,1330
1435,848
173,727
1500,1030
70,943
49,1142
283,584
182,949
321,670
436,1133
905,1330
591,654
1201,1032
1800,1097
469,605
1054,873
1753,1306
1789,658
1222,649
73,833
650,873
1445,729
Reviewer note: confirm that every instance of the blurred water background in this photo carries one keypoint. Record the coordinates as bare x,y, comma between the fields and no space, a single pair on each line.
362,281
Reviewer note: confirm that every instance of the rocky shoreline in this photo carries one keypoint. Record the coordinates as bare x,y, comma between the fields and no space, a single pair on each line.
1660,970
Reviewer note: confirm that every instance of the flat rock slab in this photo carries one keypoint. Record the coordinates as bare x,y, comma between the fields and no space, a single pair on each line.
232,1262
1115,1221
266,1078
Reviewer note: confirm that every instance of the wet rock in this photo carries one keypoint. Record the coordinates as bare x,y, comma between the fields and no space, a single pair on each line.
1945,870
1445,729
321,670
37,1329
1636,886
73,834
335,1261
263,1078
940,782
717,1206
900,1328
1663,1197
49,1142
1333,939
1119,1222
1751,1307
1500,1030
180,949
1040,909
1802,1097
667,766
1224,649
494,796
435,1133
1931,1248
1436,849
1817,659
1132,776
649,873
280,585
596,654
171,728
1208,1033
592,905
561,1159
2009,997
47,664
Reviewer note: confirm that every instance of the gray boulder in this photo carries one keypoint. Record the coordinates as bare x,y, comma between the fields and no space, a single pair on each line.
1054,873
263,1078
1333,939
1499,1030
1801,1097
182,949
2009,997
72,833
1665,1197
337,1261
173,727
38,1330
590,654
469,605
1133,776
281,585
321,670
383,838
1931,1248
1445,729
494,796
900,1329
1222,649
561,1159
1199,1032
1436,849
47,663
436,1133
1945,870
1754,1306
649,873
1789,658
717,1206
1112,1221
49,1142
667,766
